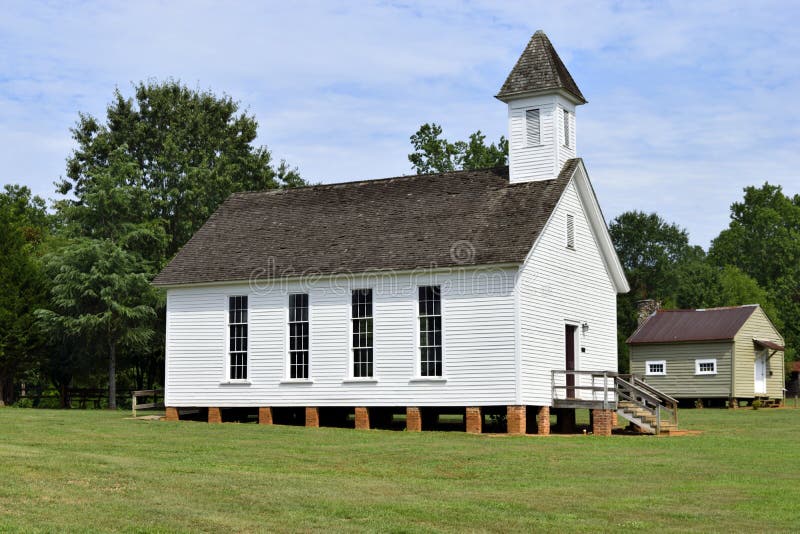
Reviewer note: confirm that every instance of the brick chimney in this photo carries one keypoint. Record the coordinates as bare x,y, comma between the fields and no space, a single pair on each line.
645,309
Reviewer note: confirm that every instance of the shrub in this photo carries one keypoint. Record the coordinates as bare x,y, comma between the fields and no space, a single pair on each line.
24,402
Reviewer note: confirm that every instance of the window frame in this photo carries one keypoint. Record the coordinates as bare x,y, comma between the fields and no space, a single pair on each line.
647,364
528,142
351,348
226,373
288,373
700,361
418,376
566,128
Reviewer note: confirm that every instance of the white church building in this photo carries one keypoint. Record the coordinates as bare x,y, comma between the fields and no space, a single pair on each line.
471,292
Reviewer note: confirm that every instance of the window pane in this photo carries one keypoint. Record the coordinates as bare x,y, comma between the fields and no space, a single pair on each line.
237,337
361,320
298,336
430,331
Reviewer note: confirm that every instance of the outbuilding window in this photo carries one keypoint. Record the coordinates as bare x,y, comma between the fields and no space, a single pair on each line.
362,333
430,331
656,367
298,336
237,337
705,367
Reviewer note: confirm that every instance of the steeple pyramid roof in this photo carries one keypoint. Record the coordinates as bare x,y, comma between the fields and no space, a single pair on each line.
539,69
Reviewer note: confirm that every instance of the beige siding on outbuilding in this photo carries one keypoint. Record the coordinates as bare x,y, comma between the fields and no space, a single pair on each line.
681,380
758,326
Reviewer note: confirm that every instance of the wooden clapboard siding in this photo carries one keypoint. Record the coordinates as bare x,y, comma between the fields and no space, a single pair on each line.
544,161
758,326
681,380
559,285
479,343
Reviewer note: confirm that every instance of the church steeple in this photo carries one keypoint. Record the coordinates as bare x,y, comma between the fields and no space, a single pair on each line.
541,97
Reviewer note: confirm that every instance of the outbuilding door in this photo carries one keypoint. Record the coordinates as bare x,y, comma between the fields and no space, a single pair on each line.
760,386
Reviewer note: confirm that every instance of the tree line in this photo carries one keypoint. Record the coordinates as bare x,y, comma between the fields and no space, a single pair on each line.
76,304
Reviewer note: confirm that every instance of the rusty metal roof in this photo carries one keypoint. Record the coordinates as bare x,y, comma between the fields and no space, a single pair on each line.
712,324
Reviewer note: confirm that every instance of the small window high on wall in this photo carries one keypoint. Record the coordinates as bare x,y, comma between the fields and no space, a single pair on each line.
533,127
566,128
570,231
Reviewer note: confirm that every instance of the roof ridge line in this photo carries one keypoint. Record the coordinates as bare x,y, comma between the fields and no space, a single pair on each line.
368,180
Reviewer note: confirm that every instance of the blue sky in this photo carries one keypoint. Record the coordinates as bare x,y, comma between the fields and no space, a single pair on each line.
688,101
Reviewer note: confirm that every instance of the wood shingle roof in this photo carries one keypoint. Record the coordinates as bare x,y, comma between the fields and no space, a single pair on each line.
437,220
539,69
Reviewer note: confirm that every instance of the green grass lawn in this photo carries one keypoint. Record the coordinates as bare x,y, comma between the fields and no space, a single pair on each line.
98,471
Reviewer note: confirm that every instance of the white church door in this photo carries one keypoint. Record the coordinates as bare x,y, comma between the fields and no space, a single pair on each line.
760,373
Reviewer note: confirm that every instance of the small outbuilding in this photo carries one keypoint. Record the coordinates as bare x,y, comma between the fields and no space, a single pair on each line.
732,353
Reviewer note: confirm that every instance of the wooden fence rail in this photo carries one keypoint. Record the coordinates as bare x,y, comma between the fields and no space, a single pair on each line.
145,393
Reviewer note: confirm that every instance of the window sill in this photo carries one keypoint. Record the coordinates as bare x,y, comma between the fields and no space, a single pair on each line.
297,381
357,380
705,374
235,383
655,374
433,379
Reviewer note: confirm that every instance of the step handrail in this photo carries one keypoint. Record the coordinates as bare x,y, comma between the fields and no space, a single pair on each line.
641,383
660,401
646,395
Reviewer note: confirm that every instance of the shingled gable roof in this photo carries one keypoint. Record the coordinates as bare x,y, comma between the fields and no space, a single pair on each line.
712,324
539,69
453,219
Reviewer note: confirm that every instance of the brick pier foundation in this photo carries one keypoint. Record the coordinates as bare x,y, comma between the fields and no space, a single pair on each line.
413,419
543,421
214,415
362,418
265,415
172,414
312,416
601,422
515,420
474,420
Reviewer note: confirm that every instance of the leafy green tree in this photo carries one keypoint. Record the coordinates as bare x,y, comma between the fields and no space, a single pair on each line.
182,151
649,249
145,179
101,295
433,153
763,241
653,253
23,226
763,237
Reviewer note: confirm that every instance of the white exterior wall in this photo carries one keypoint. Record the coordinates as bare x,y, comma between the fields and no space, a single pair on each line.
544,161
478,309
559,286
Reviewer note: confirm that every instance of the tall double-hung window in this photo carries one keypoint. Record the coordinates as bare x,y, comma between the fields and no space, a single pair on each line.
361,316
430,331
298,336
237,337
